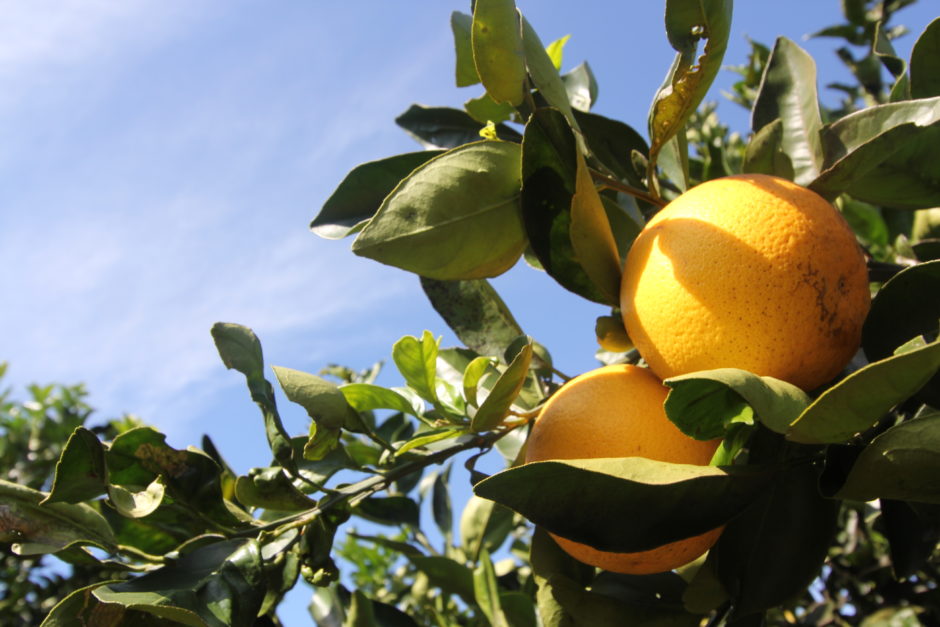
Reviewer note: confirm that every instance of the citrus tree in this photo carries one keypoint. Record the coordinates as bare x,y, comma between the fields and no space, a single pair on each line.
769,394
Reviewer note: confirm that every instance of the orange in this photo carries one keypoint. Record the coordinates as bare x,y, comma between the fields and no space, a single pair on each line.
751,272
617,411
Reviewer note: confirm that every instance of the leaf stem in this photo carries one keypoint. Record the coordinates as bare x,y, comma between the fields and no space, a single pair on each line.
612,183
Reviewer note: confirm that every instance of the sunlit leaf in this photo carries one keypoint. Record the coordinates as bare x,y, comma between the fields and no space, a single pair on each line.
788,93
497,50
861,399
764,152
417,361
455,217
544,74
486,591
137,503
581,87
496,405
356,199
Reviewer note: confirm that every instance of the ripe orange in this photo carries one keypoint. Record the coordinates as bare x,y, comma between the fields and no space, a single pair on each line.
750,272
617,411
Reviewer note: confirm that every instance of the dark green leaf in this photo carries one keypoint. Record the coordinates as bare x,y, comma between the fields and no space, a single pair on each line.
388,510
612,142
598,610
475,312
705,591
455,217
220,583
925,63
444,127
903,463
884,155
591,237
773,550
35,528
581,87
448,575
764,153
80,473
550,562
691,74
906,306
857,402
496,405
270,488
465,71
912,529
549,168
519,609
401,547
80,609
705,404
353,203
497,50
646,503
138,456
441,508
788,93
417,361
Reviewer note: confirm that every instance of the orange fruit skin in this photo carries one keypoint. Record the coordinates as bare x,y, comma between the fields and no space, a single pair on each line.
617,411
748,271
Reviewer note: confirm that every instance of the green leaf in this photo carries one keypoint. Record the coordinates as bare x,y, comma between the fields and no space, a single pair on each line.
612,142
690,76
925,63
353,203
884,154
444,127
496,405
360,612
549,168
705,404
35,528
764,152
401,547
137,503
544,74
906,306
80,608
475,312
221,583
465,71
497,50
441,508
417,361
788,93
483,524
487,592
884,50
591,237
598,610
429,437
448,575
240,350
323,400
550,563
138,456
367,396
903,463
80,473
857,402
472,375
913,532
271,488
519,609
455,217
389,510
581,87
646,503
484,110
773,550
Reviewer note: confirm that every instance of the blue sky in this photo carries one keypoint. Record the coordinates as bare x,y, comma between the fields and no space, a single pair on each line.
160,163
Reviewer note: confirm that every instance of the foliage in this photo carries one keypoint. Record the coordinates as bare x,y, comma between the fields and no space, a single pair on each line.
829,498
